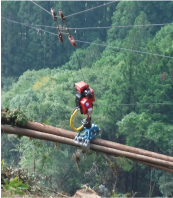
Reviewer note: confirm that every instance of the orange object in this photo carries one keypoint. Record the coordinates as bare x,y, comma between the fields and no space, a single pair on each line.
60,37
71,39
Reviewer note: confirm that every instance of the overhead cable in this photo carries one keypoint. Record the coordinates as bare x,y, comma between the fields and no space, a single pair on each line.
91,8
30,24
133,104
79,65
9,20
41,7
121,26
137,51
108,27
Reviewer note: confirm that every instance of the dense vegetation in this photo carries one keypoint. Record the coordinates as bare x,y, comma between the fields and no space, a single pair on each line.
45,93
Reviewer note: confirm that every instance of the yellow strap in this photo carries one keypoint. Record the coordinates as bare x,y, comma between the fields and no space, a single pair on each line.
71,122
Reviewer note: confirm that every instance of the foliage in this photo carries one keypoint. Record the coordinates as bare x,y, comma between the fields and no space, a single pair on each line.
15,187
15,118
126,164
2,163
166,184
44,91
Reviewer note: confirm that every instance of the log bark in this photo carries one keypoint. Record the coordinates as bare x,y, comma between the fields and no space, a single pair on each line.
151,165
154,165
98,148
69,134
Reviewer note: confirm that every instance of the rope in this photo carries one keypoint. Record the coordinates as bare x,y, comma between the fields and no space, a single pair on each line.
79,65
91,42
121,26
125,49
9,20
69,67
41,7
134,104
28,24
91,8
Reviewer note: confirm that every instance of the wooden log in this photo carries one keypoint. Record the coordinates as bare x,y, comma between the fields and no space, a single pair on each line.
69,134
94,147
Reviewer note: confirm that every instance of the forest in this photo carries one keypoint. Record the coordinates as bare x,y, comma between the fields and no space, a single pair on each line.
128,65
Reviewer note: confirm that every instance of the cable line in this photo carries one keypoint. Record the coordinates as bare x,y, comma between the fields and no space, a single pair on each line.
9,20
91,8
69,65
41,7
137,51
30,24
108,27
120,26
79,65
132,104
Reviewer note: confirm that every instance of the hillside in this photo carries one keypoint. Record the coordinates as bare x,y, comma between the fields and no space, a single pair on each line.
133,92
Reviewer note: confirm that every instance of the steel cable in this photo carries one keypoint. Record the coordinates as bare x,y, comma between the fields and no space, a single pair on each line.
108,27
120,26
133,104
41,7
79,65
91,8
137,51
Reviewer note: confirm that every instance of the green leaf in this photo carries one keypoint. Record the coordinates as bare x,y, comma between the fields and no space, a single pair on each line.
6,187
5,181
22,187
20,193
19,183
13,182
2,163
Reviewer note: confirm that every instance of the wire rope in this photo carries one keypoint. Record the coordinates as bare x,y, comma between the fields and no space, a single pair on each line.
120,26
133,104
79,65
137,51
69,66
41,7
91,8
108,27
28,26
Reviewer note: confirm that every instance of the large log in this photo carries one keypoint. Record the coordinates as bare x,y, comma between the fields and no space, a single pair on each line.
98,148
69,134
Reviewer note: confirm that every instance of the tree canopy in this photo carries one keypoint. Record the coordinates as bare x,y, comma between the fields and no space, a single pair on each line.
132,90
